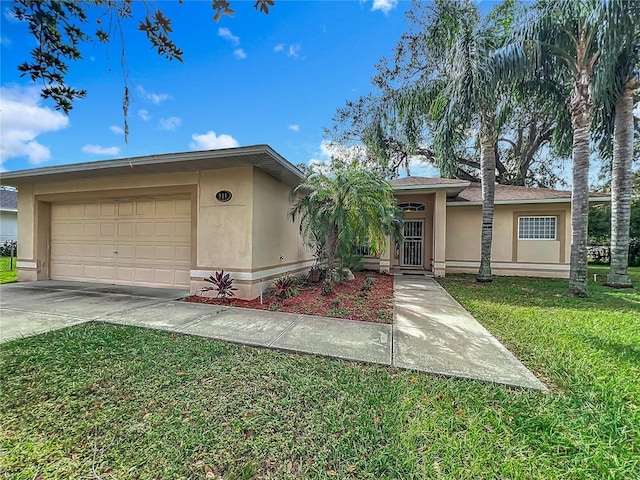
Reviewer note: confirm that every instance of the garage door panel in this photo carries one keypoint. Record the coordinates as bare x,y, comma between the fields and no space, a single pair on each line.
108,209
125,208
145,252
125,230
183,254
137,242
145,208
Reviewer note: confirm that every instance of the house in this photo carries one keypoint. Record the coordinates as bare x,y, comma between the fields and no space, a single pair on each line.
172,220
8,214
443,224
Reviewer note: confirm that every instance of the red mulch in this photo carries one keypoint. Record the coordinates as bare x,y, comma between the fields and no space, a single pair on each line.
374,306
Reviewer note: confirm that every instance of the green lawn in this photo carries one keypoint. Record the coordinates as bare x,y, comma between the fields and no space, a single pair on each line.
101,401
8,275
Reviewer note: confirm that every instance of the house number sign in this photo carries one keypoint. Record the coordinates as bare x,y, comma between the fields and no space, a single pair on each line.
223,196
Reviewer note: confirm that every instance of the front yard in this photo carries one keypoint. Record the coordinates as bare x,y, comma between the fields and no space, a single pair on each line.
8,270
100,401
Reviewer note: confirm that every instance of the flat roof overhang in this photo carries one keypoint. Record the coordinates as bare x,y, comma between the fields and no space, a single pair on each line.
259,156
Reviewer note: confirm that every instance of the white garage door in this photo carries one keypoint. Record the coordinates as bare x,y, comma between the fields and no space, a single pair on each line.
144,241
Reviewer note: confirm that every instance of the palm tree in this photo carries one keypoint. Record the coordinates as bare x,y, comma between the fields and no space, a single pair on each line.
346,207
568,39
458,95
614,91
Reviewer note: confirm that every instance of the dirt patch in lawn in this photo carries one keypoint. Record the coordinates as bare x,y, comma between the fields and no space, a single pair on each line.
347,301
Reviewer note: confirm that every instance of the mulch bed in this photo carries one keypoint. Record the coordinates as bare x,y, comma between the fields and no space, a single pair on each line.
376,305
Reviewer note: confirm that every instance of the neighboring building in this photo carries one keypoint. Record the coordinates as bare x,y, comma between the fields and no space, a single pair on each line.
172,220
8,214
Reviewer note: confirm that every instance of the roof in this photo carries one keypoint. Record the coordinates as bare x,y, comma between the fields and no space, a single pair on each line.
8,199
259,156
518,194
428,184
425,181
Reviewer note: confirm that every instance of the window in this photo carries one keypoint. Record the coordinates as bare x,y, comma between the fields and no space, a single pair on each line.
537,228
411,207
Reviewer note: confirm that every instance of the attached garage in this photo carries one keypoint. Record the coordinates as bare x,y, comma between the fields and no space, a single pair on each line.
126,241
167,221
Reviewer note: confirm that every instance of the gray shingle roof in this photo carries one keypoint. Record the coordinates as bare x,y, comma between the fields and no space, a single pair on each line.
8,199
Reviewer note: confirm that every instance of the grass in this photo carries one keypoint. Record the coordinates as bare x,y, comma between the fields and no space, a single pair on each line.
7,274
103,401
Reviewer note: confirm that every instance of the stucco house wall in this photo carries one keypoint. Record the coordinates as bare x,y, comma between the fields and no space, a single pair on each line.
509,255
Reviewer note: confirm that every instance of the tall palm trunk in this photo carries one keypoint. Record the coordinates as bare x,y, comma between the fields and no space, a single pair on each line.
581,112
621,188
488,171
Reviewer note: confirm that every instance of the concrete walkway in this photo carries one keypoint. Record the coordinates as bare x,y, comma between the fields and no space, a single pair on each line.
431,331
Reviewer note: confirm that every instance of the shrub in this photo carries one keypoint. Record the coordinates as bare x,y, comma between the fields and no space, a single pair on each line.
368,283
327,287
285,287
335,303
222,284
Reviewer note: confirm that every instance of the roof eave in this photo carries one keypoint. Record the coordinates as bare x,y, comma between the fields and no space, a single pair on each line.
530,201
164,163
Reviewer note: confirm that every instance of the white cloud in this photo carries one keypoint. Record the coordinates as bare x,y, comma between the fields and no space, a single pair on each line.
5,40
294,50
170,123
100,150
239,54
295,128
144,114
321,159
226,34
384,5
22,119
211,141
116,129
155,98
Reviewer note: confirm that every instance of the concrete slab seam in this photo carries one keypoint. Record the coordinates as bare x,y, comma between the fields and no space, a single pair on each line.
286,330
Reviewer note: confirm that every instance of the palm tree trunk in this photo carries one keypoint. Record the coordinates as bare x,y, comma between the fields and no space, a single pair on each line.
488,172
621,188
581,111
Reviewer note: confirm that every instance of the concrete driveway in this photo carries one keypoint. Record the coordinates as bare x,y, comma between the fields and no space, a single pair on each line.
431,331
37,307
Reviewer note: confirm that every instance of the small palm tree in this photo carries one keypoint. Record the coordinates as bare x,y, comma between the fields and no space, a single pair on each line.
347,206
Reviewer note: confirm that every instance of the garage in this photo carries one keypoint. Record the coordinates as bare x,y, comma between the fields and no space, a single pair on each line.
142,241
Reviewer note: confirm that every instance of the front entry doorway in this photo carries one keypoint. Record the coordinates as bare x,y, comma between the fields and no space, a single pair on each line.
413,245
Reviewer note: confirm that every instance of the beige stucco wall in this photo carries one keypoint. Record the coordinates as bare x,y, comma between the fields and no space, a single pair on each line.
510,256
244,236
225,229
276,235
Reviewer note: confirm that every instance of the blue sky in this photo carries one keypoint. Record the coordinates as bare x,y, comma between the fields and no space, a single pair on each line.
250,79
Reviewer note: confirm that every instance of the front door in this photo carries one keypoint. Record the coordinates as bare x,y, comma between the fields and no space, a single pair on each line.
412,248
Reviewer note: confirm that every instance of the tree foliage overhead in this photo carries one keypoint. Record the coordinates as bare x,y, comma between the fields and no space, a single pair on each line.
527,152
60,27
